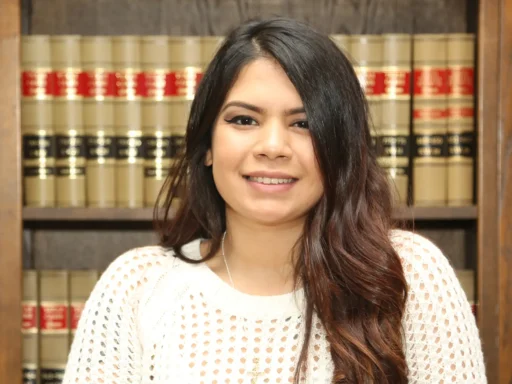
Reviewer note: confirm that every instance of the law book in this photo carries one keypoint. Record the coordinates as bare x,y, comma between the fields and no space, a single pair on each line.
461,131
68,121
99,83
393,135
466,278
366,51
209,47
127,121
37,132
186,66
30,327
430,88
54,325
156,126
81,284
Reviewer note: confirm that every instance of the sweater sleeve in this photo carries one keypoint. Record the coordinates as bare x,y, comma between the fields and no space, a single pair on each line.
442,342
106,347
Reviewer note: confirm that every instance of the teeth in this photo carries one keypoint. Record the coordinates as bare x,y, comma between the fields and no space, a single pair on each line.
268,180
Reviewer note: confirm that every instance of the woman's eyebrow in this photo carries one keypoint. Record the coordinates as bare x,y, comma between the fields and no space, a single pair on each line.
251,107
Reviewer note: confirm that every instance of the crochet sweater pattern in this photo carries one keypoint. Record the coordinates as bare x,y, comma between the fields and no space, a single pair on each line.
153,318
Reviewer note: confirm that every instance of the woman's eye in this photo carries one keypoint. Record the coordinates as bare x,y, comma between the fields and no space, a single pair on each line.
242,120
301,124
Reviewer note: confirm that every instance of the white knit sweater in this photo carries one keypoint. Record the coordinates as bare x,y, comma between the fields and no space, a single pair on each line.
153,318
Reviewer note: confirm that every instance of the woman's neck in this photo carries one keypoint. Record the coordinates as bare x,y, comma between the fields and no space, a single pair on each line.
259,257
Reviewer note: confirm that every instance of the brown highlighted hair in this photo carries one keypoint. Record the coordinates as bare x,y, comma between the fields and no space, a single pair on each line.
352,276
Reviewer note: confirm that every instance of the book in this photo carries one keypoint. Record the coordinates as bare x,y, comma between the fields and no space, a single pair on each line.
38,136
30,327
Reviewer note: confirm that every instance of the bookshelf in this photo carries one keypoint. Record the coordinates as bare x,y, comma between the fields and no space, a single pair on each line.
487,224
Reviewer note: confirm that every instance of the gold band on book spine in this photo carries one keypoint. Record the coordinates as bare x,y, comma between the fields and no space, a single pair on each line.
54,321
127,121
37,122
98,108
209,47
186,66
393,135
30,326
461,141
366,51
68,121
429,120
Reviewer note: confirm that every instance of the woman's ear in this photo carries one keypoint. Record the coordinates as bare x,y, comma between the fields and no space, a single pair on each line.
208,160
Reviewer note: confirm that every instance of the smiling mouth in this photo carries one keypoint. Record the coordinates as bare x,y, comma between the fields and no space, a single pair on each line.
269,180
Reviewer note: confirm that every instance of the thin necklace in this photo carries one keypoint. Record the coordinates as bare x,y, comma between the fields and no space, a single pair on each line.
256,372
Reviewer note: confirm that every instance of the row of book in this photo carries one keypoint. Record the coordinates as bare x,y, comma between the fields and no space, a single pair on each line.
53,301
103,117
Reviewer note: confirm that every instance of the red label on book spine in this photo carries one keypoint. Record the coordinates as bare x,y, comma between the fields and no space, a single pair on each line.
396,82
98,84
430,113
129,84
182,83
461,81
37,83
371,80
29,317
430,82
76,310
68,84
461,112
54,317
154,84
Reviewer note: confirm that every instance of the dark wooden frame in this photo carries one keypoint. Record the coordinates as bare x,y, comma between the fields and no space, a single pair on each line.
494,190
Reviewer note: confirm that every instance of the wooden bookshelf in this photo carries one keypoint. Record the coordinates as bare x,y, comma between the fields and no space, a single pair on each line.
146,214
489,221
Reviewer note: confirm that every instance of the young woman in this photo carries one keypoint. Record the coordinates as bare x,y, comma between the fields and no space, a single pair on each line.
282,264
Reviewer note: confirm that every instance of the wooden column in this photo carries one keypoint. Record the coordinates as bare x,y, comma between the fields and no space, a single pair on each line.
505,193
10,195
495,187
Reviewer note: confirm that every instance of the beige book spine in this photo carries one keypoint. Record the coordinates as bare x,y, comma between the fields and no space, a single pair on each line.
127,122
342,41
81,284
209,47
37,122
98,108
68,121
186,66
430,88
366,51
393,146
30,327
155,115
461,132
466,278
54,325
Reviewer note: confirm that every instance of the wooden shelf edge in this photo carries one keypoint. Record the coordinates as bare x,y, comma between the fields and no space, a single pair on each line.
31,214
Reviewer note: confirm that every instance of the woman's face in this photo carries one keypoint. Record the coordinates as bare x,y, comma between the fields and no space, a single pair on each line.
262,155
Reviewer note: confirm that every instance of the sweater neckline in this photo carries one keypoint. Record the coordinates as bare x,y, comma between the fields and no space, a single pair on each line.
236,302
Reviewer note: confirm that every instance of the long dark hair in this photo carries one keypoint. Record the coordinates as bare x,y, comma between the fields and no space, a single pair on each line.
352,277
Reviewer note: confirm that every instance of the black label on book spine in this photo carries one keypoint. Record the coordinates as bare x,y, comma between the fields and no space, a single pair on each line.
392,146
29,376
70,172
70,146
52,376
461,144
157,148
99,147
430,146
38,146
41,172
129,148
177,143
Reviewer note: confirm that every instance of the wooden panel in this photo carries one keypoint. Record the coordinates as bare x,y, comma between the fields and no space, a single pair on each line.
488,229
10,196
206,17
506,196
